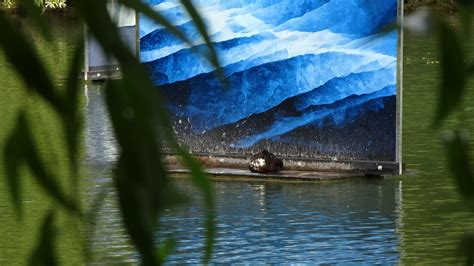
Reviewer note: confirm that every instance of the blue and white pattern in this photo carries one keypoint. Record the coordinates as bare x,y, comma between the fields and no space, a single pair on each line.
291,64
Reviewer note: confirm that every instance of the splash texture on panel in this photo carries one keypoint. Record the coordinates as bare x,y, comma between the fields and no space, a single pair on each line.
308,78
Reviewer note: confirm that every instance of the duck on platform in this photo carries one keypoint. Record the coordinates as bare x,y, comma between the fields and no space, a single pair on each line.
265,162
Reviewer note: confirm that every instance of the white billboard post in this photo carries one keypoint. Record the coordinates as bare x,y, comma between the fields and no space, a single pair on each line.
99,65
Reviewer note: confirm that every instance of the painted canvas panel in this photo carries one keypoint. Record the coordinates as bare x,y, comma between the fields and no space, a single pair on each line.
308,78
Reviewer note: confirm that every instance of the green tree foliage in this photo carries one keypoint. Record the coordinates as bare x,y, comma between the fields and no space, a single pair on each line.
51,4
139,118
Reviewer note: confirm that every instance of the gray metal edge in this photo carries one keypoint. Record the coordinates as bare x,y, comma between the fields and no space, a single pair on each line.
86,54
137,28
399,130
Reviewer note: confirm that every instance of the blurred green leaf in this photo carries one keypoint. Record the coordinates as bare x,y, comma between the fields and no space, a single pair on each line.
137,212
140,176
165,249
470,69
466,21
36,11
132,175
106,34
21,54
72,118
44,251
14,159
21,147
202,181
465,3
199,178
466,248
210,55
45,178
459,162
200,25
141,123
157,17
100,25
453,72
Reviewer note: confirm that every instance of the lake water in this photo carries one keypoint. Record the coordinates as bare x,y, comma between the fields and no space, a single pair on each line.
415,218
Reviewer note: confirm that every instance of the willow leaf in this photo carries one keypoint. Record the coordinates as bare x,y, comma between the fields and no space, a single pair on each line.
44,251
202,181
140,176
466,249
26,151
470,69
14,159
36,10
453,72
459,162
201,26
157,17
23,57
71,118
166,249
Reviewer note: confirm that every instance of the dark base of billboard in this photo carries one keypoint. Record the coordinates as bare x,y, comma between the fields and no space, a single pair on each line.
298,169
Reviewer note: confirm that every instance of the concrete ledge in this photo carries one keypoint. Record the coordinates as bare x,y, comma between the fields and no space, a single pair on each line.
286,175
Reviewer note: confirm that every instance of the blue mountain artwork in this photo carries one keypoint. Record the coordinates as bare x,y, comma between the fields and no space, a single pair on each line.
306,78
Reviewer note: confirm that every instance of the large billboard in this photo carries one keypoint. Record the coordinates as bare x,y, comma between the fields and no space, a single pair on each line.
307,79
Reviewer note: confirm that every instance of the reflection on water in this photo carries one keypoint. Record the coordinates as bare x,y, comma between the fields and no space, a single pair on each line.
109,241
99,138
276,223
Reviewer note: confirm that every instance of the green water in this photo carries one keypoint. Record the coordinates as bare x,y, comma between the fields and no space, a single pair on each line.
433,217
429,223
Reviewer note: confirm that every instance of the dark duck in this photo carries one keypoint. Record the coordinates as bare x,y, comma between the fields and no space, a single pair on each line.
265,162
